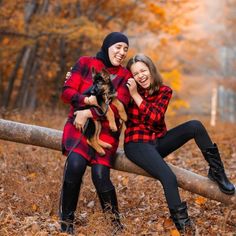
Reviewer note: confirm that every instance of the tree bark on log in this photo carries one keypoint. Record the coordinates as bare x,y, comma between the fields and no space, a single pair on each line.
51,138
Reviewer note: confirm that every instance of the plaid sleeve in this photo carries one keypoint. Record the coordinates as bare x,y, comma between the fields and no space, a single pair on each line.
153,112
72,83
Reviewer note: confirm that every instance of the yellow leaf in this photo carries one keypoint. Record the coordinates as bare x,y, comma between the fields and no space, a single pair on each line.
174,232
163,41
50,74
34,207
125,181
200,200
167,223
32,175
55,217
6,41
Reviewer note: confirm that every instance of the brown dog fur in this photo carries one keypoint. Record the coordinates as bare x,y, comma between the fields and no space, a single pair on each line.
95,141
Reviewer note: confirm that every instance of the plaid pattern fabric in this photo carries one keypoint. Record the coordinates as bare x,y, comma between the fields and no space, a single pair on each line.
78,81
147,122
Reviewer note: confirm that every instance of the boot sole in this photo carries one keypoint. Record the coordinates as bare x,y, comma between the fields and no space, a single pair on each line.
221,189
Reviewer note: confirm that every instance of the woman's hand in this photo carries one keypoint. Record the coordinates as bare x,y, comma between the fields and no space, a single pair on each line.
132,86
81,117
91,101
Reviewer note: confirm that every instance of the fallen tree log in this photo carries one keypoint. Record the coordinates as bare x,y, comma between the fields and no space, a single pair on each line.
51,138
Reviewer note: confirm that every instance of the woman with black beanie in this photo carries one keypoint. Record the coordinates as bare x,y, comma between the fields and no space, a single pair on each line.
112,54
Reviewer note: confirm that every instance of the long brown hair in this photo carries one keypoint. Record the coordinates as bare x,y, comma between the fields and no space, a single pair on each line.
155,74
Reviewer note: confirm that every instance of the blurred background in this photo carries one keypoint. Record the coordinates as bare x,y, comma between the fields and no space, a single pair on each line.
191,42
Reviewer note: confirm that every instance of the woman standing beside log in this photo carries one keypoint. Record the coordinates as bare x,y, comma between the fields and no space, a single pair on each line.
147,140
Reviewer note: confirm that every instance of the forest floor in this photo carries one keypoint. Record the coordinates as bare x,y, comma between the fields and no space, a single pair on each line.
30,181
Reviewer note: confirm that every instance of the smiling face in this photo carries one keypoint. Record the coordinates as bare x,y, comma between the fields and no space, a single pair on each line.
117,53
141,74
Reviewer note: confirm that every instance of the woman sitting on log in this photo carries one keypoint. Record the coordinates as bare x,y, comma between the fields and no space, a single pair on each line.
79,154
147,141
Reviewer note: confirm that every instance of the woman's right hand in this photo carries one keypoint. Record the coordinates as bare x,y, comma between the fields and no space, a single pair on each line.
132,86
81,117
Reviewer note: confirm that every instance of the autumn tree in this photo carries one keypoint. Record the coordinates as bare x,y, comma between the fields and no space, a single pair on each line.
40,40
228,36
167,23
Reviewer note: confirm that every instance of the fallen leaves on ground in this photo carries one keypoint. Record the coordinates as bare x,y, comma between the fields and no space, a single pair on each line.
30,182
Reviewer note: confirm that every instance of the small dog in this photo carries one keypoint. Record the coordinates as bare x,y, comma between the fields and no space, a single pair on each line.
105,94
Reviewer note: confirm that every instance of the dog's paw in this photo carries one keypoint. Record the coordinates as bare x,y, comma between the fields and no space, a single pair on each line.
113,128
104,144
101,153
95,145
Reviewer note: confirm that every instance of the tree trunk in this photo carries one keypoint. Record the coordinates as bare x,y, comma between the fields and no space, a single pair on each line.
23,86
60,74
7,94
32,90
23,94
30,9
1,88
51,138
44,7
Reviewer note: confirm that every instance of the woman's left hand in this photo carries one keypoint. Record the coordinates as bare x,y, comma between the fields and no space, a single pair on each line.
80,118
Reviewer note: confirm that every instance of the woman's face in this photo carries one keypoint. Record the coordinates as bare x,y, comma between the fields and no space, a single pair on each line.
117,53
141,74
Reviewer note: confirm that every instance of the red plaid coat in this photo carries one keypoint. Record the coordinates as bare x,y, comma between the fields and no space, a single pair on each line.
147,122
76,83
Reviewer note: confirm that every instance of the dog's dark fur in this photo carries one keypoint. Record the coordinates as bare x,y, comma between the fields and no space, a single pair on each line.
105,93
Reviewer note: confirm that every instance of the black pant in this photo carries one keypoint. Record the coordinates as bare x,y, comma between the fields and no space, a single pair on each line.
149,156
75,169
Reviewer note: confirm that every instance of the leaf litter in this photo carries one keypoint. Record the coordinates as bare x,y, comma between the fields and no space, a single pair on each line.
30,182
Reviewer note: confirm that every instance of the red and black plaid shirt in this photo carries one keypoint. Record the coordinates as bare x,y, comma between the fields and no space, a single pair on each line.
75,85
147,122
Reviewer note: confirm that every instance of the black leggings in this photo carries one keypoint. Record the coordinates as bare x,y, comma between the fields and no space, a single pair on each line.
149,156
75,169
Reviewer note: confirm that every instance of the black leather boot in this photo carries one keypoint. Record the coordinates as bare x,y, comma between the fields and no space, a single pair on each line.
109,204
68,203
180,217
216,171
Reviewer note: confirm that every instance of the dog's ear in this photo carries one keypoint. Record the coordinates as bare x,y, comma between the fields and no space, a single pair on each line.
105,74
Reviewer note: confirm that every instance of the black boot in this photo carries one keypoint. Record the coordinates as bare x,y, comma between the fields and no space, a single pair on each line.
68,203
216,171
180,217
109,204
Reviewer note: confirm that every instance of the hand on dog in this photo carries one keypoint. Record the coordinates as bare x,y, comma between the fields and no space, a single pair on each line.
80,118
92,101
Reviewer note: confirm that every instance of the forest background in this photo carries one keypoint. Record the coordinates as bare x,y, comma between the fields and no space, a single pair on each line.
191,42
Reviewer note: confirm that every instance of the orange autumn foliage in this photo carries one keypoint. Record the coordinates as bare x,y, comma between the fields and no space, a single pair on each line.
41,40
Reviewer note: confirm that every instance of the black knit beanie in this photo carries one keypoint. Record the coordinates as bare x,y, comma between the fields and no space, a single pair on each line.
109,40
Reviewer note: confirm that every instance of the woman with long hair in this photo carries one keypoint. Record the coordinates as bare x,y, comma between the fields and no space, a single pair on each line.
147,140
